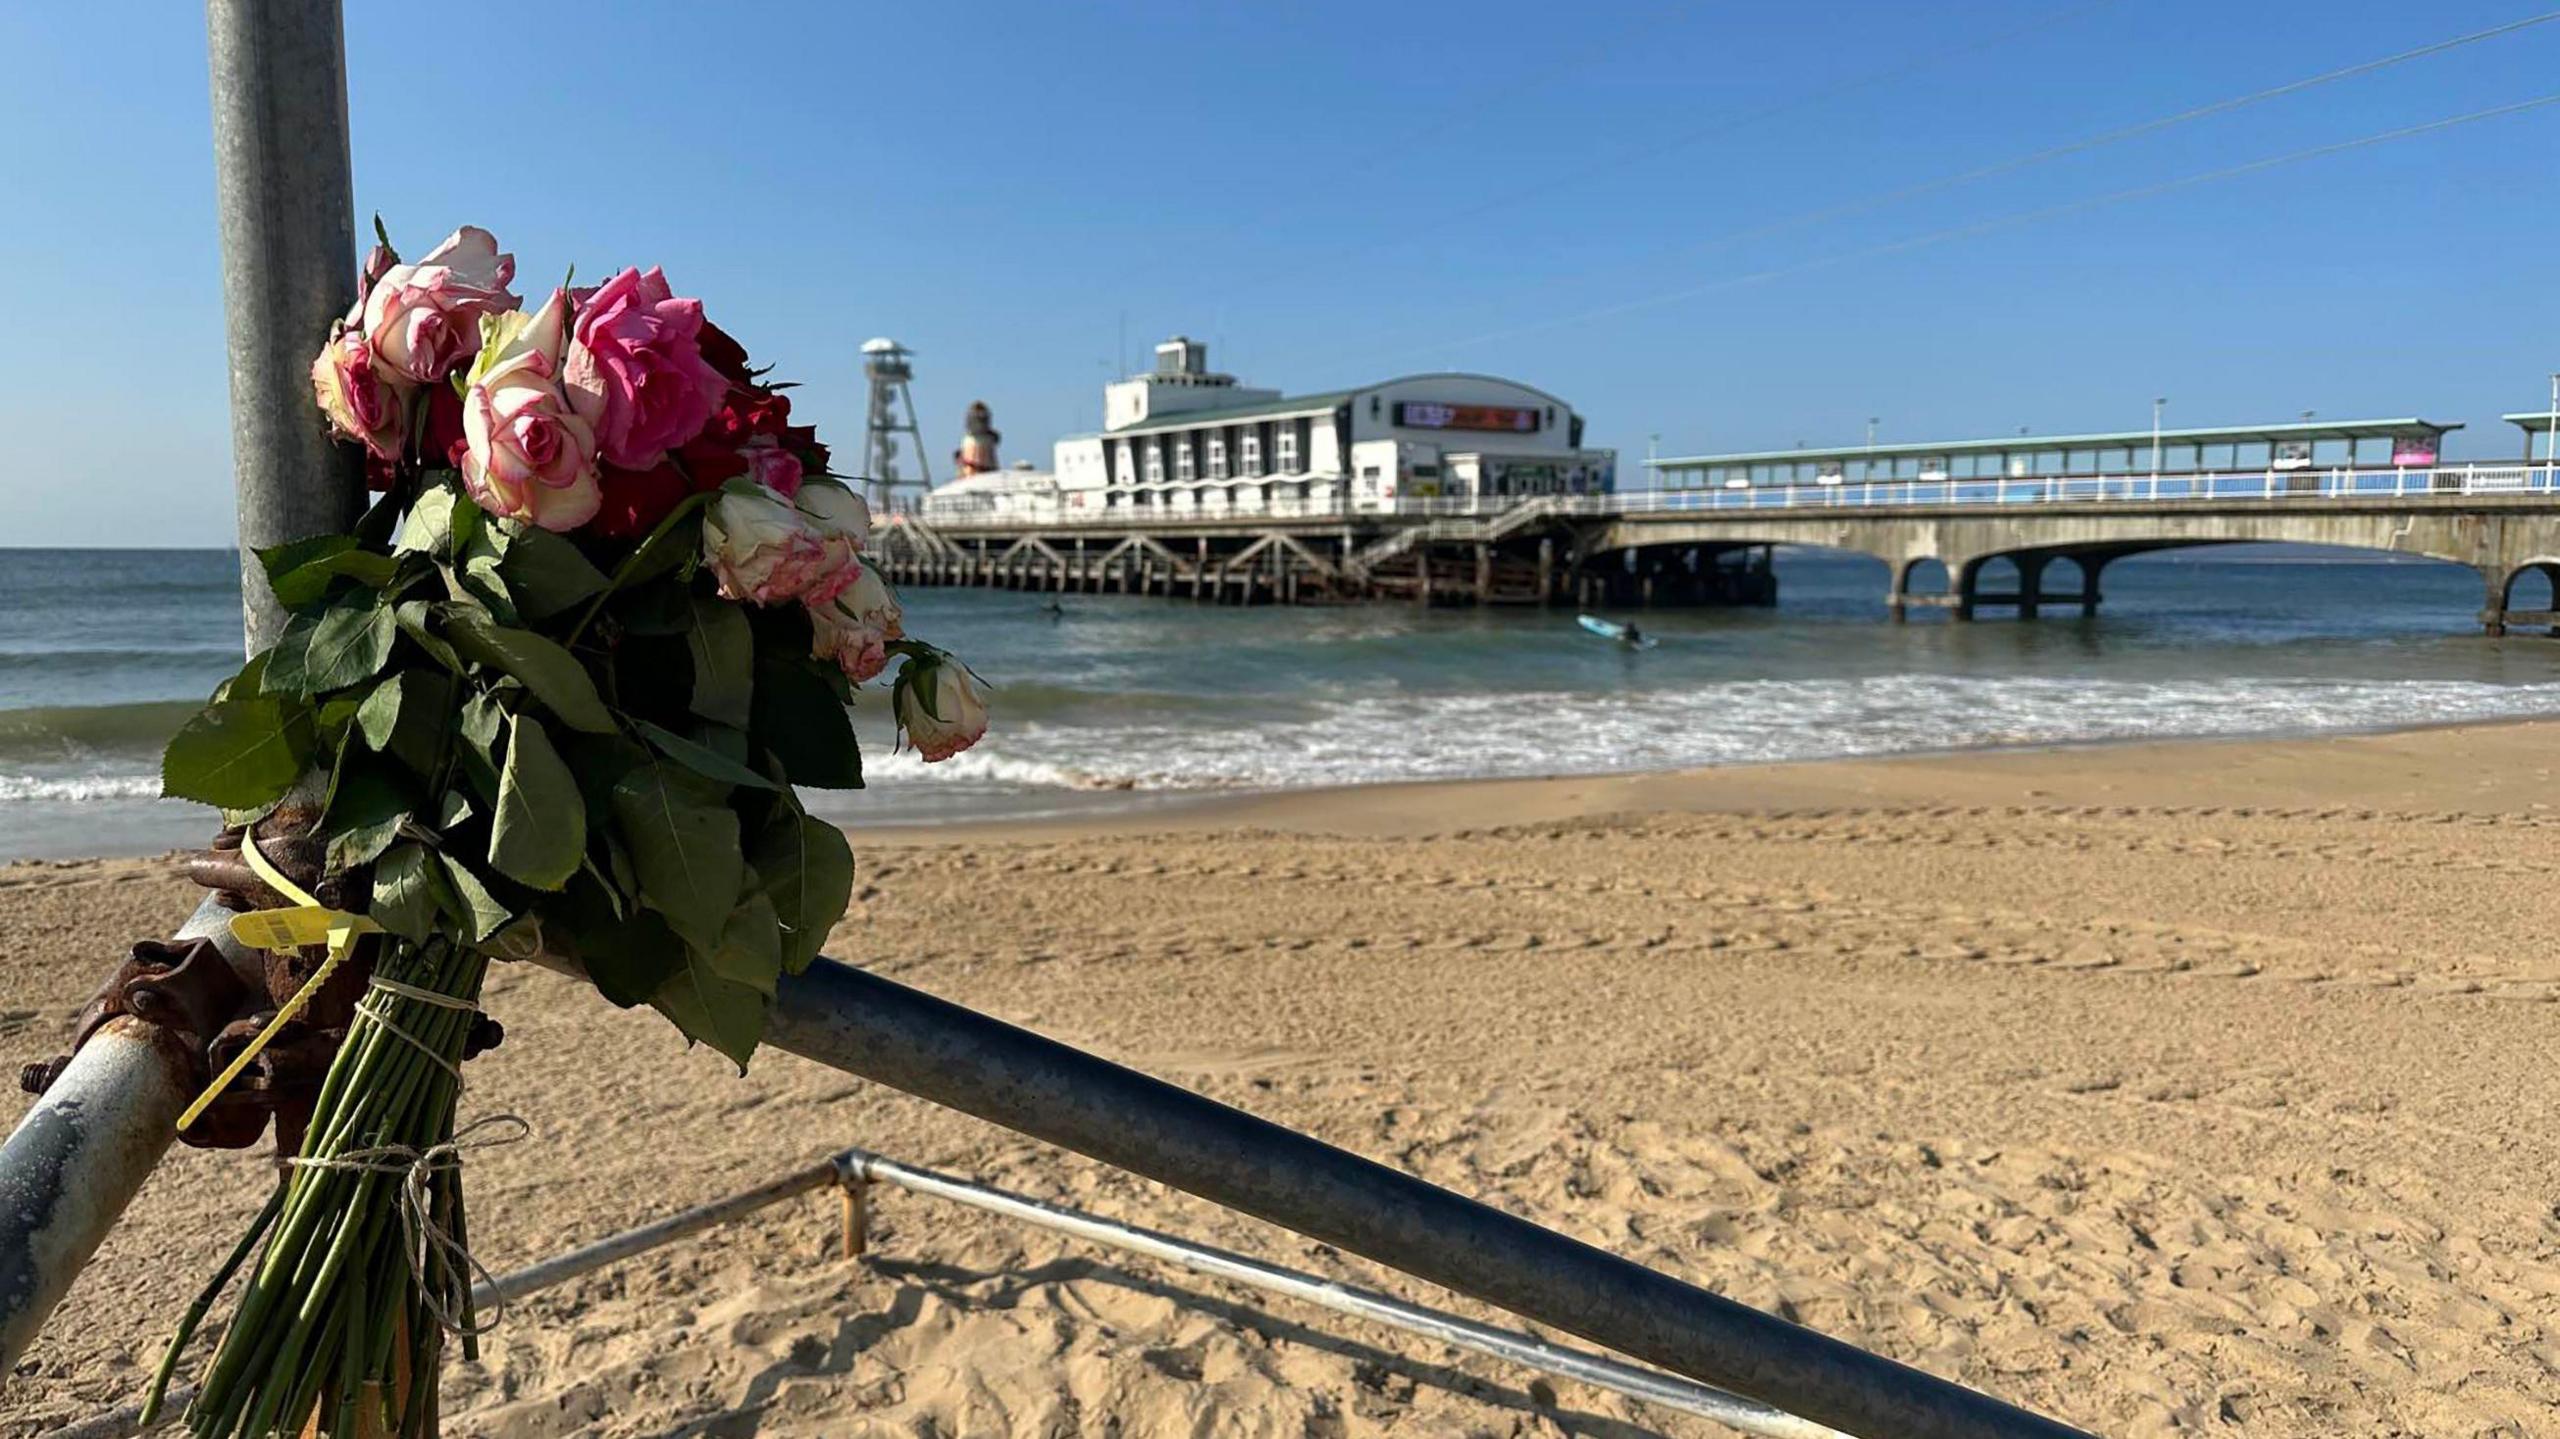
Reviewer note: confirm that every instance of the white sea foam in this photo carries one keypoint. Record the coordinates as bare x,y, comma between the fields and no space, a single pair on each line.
1383,738
1375,738
77,789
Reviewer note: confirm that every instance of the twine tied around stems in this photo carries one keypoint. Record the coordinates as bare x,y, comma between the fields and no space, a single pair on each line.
440,1262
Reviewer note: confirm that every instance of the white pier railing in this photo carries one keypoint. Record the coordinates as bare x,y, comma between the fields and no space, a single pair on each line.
2378,484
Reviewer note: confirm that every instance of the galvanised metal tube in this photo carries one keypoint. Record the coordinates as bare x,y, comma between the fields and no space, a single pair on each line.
1651,1386
285,199
863,1024
562,1268
81,1153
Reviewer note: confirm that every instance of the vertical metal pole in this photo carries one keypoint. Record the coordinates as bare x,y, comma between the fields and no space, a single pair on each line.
285,202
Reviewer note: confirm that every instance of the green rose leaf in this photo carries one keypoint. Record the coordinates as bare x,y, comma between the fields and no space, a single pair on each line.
481,910
807,868
750,952
545,573
238,754
407,715
540,830
552,673
281,560
724,657
701,759
408,892
629,957
429,527
345,644
686,850
367,806
801,720
412,616
721,1013
307,582
483,728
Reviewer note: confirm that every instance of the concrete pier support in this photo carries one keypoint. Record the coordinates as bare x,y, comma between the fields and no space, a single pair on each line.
2031,583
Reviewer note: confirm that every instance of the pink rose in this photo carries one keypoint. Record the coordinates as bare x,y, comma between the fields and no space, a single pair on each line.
772,466
361,404
527,454
939,706
764,551
423,320
636,369
854,629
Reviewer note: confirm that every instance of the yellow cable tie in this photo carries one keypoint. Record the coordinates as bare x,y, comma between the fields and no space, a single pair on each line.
306,921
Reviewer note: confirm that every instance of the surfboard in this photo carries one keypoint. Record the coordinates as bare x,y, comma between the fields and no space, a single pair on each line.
1612,630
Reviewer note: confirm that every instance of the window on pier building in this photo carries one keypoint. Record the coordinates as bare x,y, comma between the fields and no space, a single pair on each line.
1123,469
1289,447
1183,459
1217,456
1252,443
1155,462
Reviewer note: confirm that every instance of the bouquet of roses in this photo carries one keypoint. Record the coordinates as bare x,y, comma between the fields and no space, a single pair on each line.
555,693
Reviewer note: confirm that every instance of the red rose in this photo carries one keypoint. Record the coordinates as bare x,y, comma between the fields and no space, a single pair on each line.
802,440
442,443
710,461
723,354
769,413
635,500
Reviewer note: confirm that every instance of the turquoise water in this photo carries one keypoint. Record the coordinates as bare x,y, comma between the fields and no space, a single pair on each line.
1125,701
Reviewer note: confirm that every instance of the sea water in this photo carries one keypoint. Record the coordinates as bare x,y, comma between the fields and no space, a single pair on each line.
1131,701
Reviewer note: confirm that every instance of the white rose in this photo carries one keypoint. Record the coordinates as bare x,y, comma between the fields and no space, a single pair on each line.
939,707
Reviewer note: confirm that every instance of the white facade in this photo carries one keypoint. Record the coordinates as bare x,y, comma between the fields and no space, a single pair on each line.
1185,440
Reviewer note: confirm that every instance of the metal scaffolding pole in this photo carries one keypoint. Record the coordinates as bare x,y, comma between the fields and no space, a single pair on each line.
285,200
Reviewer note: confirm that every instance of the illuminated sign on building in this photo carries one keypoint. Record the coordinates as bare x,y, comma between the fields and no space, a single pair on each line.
1431,415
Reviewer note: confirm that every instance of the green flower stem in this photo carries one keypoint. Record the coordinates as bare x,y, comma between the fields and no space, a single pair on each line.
204,1302
320,1319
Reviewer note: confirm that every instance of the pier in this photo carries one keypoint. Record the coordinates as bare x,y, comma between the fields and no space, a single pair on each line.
2004,537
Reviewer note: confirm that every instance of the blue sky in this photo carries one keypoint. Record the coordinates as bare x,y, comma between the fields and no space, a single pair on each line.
1602,200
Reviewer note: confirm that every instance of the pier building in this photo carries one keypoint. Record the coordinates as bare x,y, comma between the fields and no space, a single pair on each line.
1182,440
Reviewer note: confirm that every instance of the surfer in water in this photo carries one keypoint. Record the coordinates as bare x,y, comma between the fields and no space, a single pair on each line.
1631,637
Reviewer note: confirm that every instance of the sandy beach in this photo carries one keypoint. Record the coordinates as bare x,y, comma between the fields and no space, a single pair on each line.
2167,1089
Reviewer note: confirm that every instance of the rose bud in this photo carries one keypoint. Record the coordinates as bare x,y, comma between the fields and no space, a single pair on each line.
764,551
939,706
